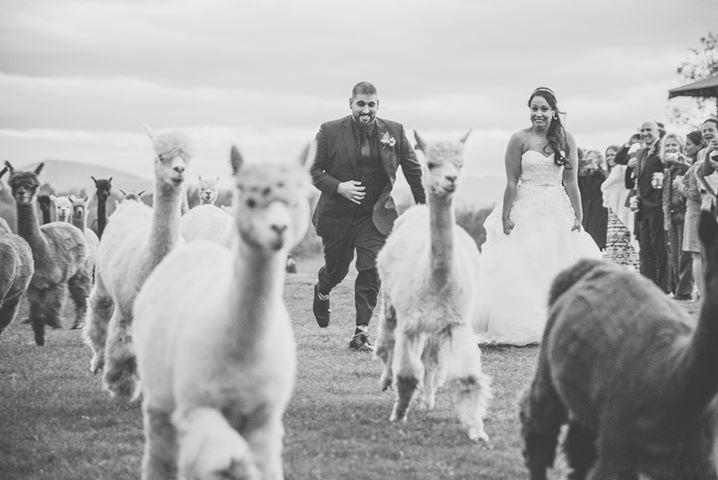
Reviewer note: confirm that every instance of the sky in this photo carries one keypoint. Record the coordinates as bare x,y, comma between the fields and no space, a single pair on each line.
80,78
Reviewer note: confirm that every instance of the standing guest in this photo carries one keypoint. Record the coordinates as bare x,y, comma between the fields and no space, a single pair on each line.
621,246
590,178
355,169
674,211
649,216
708,157
689,187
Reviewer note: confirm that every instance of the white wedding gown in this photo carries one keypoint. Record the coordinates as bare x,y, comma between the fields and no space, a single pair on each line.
517,269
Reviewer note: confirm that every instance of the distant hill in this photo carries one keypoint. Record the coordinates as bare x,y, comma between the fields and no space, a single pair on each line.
65,176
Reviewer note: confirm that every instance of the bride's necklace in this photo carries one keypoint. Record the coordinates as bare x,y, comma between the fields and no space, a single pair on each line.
538,141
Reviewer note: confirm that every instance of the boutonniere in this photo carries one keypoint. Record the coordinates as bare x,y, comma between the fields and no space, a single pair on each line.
562,153
387,141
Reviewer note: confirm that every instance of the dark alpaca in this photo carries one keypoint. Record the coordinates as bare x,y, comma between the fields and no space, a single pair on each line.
45,204
633,379
16,269
59,253
103,188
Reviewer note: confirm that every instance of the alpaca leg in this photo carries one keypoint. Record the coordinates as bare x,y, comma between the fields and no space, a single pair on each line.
94,333
120,376
45,307
613,459
210,448
408,371
432,367
542,413
159,458
79,287
385,341
580,450
8,311
264,437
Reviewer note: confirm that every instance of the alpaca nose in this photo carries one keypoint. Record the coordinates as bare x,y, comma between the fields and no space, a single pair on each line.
179,168
278,228
451,178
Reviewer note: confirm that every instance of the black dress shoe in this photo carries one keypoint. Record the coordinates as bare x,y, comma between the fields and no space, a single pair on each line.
360,343
321,308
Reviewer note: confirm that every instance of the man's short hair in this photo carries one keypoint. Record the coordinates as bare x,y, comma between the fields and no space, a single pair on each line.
363,88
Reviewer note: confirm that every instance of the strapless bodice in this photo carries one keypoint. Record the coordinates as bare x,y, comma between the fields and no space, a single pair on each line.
539,170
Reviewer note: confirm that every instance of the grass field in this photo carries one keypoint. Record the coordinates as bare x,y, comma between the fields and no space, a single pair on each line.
56,422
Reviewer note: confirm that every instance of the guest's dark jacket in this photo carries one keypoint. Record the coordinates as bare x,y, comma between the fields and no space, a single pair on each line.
337,160
595,215
648,164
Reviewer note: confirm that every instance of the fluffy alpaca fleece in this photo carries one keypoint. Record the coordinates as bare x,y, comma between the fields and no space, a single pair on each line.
135,240
63,208
208,222
428,271
215,346
59,253
633,379
16,269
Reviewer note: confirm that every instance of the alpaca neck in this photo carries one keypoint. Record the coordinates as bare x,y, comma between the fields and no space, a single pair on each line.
257,289
184,207
28,228
80,222
46,216
441,224
101,216
165,222
700,362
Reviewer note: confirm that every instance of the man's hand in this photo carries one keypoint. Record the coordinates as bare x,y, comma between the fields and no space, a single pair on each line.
576,225
352,190
508,225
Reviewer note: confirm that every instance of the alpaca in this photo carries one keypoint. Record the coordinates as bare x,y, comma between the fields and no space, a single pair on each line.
215,347
45,204
633,379
63,208
428,272
16,269
79,219
135,240
208,222
59,252
103,187
208,190
130,196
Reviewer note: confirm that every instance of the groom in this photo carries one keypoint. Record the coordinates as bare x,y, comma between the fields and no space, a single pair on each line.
355,169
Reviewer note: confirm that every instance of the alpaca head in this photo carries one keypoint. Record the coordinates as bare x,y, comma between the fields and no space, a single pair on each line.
79,207
103,186
63,208
23,184
443,164
208,190
271,204
173,151
131,196
45,202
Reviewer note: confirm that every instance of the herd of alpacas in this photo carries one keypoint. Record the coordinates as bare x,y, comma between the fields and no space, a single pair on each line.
184,308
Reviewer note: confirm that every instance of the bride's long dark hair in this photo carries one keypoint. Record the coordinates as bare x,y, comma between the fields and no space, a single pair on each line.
556,134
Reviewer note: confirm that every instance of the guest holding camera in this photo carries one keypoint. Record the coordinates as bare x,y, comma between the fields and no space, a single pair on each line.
689,188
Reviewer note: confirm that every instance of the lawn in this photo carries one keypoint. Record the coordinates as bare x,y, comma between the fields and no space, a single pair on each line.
56,422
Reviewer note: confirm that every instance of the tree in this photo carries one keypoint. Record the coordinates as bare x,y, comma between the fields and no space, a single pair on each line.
702,63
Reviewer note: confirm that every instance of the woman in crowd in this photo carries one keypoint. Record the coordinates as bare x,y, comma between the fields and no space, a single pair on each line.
689,188
621,246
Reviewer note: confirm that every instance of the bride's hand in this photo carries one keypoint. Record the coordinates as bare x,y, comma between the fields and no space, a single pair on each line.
508,225
576,225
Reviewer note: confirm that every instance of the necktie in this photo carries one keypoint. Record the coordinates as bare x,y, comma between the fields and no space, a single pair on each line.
365,148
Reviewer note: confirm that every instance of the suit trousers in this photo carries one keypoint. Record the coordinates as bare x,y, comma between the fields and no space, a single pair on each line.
681,262
363,237
652,242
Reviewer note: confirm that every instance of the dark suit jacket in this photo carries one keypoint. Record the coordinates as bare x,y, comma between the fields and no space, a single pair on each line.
336,161
646,167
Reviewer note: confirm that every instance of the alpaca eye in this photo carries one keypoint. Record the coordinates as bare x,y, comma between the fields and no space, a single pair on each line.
431,165
251,203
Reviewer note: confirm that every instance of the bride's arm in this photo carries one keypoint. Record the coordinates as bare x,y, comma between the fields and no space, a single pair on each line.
570,182
513,172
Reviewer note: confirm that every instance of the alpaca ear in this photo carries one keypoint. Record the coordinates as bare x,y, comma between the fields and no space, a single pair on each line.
236,160
9,167
53,198
39,168
420,144
124,194
109,180
86,201
140,193
465,137
150,132
94,179
707,228
2,172
199,178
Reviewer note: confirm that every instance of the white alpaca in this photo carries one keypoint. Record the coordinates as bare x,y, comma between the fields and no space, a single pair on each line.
208,222
215,346
428,269
79,219
63,208
208,190
135,240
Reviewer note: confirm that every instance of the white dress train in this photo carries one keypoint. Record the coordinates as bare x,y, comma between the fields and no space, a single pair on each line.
517,269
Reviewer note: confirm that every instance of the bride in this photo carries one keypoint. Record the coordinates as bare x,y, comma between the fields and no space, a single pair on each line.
535,233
